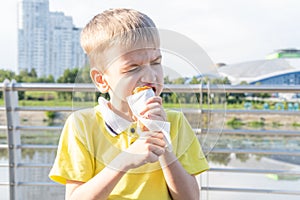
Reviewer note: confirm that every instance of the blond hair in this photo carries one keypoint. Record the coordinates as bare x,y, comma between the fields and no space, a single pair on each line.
117,28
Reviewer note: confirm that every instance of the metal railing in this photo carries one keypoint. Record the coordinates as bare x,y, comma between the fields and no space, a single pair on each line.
14,144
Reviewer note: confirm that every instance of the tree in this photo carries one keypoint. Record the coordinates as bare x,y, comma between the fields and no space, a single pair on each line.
69,76
27,77
75,75
194,80
6,74
179,80
49,79
167,80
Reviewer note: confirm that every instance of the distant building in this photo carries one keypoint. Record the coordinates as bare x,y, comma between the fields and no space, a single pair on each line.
282,67
47,41
284,53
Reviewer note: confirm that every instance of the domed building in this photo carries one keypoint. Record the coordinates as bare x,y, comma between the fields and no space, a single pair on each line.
281,67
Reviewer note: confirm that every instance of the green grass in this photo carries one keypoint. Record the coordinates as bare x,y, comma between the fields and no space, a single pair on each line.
256,124
295,124
235,123
57,102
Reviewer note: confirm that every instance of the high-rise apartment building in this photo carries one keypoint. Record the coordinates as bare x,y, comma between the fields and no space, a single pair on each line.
47,41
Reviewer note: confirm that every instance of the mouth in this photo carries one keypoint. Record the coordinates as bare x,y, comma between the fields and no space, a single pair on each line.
151,87
154,89
144,87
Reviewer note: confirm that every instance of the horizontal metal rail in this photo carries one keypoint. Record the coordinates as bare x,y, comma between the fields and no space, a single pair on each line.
254,151
55,109
2,127
196,88
29,183
252,190
228,170
36,146
4,183
261,133
3,146
205,188
4,165
255,171
39,128
214,150
184,110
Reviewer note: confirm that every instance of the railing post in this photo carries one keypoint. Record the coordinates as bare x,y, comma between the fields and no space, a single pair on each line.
13,135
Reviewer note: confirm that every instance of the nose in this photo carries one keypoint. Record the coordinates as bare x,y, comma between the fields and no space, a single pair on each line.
149,74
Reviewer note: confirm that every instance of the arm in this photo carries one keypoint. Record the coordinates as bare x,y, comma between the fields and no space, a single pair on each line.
150,147
181,184
99,187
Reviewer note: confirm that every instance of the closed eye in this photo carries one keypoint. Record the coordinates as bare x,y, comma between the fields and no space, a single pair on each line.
133,68
157,61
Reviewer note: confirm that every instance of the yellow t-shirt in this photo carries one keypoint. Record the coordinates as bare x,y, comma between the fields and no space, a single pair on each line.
86,147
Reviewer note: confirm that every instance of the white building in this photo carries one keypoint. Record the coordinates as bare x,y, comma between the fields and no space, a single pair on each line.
47,41
281,68
33,35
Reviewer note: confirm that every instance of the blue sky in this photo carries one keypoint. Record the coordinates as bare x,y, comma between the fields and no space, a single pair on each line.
229,31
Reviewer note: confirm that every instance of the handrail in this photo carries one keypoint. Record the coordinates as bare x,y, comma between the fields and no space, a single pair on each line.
252,190
84,87
185,110
196,130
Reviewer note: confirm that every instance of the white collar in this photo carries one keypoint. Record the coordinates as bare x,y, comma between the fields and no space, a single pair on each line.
115,124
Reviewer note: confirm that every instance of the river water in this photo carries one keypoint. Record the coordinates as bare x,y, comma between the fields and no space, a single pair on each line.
211,179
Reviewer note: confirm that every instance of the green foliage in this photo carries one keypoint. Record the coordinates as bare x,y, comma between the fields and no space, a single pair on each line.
50,115
178,81
219,158
167,80
276,124
235,123
75,75
49,79
295,124
27,77
6,74
69,76
194,80
256,124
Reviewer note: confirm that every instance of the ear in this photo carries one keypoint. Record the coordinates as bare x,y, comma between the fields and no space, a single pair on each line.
99,80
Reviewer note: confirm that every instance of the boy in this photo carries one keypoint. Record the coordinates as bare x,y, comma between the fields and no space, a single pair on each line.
102,154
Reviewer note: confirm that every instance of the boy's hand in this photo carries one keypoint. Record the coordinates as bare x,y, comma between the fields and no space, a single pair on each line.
146,149
154,109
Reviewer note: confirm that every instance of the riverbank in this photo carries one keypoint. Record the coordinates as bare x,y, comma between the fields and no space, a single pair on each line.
271,121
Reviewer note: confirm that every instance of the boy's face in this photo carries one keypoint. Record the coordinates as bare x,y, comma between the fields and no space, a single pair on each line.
137,68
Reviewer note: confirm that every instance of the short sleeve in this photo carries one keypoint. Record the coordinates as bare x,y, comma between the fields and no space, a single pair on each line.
188,149
73,161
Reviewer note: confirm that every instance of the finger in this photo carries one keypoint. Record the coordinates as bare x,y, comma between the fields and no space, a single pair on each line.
158,151
159,135
155,114
154,99
152,157
156,142
151,106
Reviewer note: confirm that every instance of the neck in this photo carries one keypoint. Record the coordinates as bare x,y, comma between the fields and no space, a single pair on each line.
122,109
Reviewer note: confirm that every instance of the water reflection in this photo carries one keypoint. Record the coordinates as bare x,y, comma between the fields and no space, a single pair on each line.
223,159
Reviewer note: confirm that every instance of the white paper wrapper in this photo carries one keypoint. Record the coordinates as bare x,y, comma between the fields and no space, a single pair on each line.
136,103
